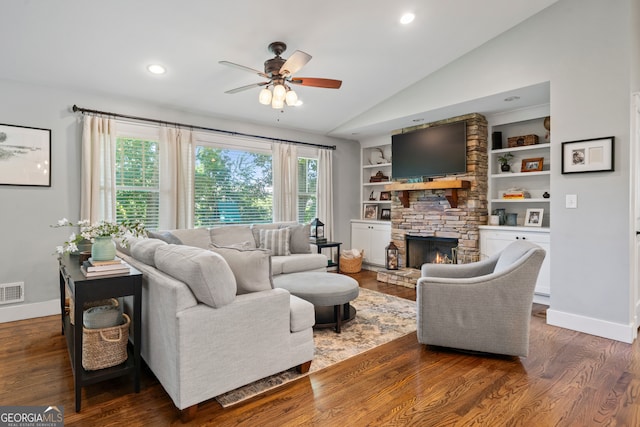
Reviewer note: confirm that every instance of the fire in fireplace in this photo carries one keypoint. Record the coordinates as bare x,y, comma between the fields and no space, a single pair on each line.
429,249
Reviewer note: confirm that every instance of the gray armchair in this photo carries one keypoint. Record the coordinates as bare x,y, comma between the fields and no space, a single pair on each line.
483,306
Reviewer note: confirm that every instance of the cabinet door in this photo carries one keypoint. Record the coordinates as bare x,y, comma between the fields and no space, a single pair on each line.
360,239
493,241
380,238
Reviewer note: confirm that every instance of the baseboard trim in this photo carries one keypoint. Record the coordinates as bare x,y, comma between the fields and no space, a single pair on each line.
589,325
29,311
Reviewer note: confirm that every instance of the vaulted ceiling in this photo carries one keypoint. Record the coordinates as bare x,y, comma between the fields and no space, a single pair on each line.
105,47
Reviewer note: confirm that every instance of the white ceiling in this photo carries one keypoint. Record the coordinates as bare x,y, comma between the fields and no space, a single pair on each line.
105,46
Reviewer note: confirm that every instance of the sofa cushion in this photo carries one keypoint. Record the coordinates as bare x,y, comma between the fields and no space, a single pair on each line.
198,237
276,241
251,267
165,236
297,262
206,273
299,239
302,314
145,250
227,235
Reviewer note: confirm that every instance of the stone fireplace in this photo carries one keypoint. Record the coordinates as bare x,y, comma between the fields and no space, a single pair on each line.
428,213
430,249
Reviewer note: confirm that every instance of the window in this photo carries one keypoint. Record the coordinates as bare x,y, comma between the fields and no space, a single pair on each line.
232,186
307,186
137,183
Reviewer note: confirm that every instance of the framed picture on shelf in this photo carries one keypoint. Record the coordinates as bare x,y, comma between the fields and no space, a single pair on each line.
385,195
370,211
588,155
385,214
532,165
533,218
26,156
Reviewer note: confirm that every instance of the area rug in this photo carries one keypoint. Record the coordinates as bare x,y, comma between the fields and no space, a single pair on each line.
380,318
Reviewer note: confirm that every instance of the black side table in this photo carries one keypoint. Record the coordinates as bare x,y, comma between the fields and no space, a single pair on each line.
321,246
83,289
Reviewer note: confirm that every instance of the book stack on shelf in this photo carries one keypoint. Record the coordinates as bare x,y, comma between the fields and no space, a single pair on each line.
112,267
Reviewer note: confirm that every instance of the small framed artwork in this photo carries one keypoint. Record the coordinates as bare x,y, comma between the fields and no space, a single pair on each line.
385,195
370,211
588,155
533,218
385,214
25,156
532,165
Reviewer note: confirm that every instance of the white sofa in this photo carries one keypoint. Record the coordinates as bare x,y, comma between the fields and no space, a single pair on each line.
211,319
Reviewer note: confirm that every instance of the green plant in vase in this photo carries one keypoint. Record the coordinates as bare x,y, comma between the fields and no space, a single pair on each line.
101,235
504,162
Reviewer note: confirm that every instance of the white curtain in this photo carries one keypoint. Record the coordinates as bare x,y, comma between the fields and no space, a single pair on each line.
285,182
325,191
98,179
176,175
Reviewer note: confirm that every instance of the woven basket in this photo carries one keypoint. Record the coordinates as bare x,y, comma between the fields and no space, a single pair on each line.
103,348
351,265
518,141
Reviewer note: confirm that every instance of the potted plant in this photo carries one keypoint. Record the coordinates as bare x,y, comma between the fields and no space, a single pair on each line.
504,162
101,235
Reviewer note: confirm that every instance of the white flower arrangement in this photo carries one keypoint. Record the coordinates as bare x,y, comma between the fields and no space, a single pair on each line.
90,231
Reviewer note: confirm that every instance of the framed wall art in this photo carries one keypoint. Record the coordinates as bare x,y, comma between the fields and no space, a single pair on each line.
385,214
588,155
25,156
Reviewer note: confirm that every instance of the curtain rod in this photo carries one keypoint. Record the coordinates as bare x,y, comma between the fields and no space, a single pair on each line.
75,109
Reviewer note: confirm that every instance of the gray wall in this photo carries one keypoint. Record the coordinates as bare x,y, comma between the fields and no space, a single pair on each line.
28,243
584,49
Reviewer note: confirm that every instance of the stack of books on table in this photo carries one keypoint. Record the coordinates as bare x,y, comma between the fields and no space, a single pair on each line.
113,267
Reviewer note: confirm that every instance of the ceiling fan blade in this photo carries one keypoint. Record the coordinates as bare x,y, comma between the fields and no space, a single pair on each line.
315,82
242,67
296,61
247,87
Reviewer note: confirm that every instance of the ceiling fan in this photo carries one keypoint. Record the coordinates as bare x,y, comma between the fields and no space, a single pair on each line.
279,74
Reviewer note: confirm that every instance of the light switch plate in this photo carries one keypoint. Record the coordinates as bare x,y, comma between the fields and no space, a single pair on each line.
571,201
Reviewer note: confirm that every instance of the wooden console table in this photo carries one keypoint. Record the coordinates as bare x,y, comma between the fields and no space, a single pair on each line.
451,188
83,289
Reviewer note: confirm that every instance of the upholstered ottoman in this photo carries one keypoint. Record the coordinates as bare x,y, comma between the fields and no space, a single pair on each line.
329,293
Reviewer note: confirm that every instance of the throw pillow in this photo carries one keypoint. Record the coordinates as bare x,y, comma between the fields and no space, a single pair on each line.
145,250
255,230
299,243
231,234
206,273
277,241
165,236
251,267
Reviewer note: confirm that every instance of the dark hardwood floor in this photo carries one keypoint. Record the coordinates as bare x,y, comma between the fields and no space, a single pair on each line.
569,379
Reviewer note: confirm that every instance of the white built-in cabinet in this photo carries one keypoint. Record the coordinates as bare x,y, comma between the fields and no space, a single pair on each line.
494,239
374,160
373,237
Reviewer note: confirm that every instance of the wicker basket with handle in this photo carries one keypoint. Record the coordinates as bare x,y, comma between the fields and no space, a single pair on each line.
103,348
351,265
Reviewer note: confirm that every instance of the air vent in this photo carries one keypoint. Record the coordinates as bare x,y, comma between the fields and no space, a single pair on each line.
11,292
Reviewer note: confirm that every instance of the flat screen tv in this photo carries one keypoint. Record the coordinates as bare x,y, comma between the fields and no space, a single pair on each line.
434,151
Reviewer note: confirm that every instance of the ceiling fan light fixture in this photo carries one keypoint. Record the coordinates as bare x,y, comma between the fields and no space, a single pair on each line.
277,103
291,98
265,96
279,92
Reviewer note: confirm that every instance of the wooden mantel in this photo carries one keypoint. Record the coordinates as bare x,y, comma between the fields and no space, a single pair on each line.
451,188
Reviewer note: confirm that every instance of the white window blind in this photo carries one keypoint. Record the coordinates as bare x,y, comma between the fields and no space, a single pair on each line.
232,186
307,186
137,181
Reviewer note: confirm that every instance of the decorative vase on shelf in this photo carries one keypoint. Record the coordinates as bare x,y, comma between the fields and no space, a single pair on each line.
103,249
505,167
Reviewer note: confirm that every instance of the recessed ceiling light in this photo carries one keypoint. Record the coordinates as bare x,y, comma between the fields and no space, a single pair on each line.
407,18
299,103
511,98
156,69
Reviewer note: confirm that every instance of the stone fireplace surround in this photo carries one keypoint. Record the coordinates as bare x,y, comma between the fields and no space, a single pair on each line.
430,214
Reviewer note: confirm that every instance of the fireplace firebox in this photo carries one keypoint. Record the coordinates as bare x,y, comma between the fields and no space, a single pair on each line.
430,250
